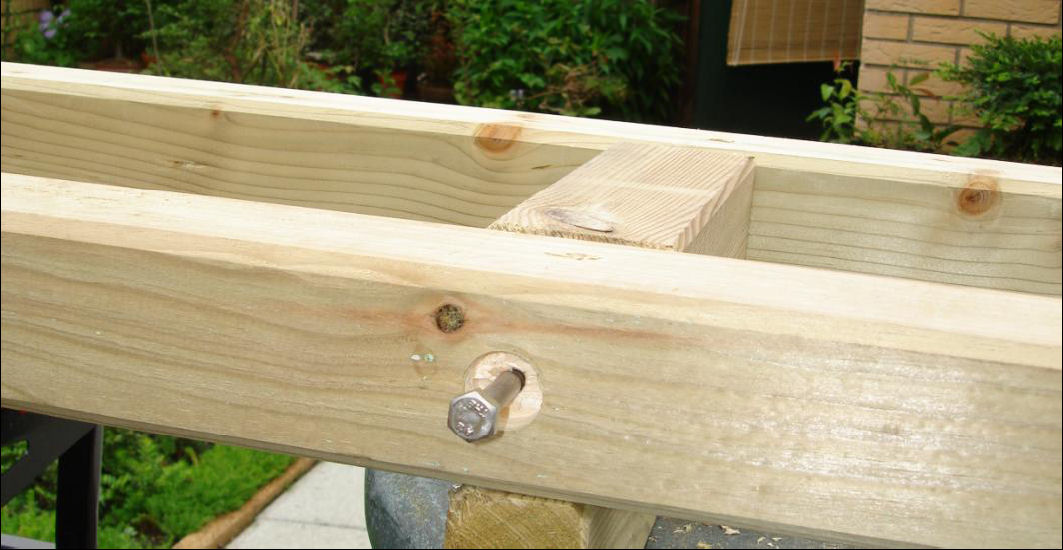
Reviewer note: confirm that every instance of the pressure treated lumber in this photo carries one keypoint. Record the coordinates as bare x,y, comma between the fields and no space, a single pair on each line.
284,156
647,196
977,234
928,217
484,518
767,396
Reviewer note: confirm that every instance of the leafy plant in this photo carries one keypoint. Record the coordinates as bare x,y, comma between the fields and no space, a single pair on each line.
914,130
189,494
896,119
153,489
383,34
842,111
247,41
614,58
80,30
378,38
106,28
1014,87
45,40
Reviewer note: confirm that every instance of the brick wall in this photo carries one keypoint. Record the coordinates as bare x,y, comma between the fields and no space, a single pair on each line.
914,36
20,14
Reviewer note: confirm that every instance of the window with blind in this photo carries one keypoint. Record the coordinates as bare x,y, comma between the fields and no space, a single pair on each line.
789,31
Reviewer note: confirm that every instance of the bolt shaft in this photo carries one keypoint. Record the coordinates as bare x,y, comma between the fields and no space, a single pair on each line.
473,415
504,388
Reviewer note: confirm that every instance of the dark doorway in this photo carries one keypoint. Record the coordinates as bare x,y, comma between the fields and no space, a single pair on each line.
770,100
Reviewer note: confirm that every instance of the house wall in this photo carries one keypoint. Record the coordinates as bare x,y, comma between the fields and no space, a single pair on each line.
18,13
914,36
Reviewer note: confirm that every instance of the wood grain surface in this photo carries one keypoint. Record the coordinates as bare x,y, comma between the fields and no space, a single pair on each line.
928,217
767,396
646,196
483,518
650,196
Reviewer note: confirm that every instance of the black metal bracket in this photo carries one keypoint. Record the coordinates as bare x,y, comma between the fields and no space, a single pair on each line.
79,447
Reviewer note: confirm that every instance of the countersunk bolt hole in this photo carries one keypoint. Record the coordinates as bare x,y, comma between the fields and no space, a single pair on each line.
449,318
520,374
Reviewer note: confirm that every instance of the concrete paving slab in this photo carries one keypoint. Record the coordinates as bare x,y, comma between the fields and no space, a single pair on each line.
323,509
329,494
276,533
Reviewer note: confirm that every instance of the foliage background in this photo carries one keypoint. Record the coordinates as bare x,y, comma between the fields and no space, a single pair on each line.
609,58
153,489
1013,86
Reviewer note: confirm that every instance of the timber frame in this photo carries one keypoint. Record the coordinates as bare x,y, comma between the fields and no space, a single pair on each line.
878,360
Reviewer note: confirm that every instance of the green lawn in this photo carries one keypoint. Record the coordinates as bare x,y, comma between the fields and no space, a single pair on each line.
153,489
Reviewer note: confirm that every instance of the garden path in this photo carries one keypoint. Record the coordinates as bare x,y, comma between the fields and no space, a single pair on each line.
323,509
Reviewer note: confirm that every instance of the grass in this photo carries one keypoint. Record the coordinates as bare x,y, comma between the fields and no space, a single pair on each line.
153,489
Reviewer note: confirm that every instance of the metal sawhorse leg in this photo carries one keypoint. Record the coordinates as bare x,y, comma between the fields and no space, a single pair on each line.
78,446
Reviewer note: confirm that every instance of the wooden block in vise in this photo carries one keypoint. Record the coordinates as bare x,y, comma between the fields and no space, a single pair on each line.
480,518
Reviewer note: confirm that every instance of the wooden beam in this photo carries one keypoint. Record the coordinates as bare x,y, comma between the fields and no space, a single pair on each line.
650,196
139,138
927,217
483,518
647,196
775,397
977,234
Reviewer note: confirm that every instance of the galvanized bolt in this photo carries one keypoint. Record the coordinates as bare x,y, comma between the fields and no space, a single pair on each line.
474,415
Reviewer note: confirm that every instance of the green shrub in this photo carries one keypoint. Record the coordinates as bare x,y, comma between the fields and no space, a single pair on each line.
1014,87
80,30
615,58
188,495
246,41
842,111
398,30
106,28
379,37
153,489
908,127
33,523
896,119
44,40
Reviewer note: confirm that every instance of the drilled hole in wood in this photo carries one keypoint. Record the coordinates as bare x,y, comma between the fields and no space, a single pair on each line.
449,318
526,406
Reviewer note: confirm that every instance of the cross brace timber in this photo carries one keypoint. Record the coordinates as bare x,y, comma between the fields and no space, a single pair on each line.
816,402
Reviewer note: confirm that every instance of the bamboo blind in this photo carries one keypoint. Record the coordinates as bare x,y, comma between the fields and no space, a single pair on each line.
787,31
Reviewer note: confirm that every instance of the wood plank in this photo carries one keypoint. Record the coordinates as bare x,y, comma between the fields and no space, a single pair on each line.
647,196
975,235
776,397
927,217
483,518
281,157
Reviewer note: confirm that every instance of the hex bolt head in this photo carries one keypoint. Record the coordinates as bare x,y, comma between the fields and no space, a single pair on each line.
474,415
